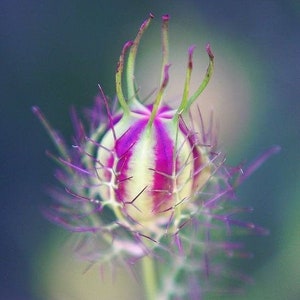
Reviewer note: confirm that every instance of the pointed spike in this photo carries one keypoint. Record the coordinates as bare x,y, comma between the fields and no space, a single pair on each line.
258,162
108,112
55,137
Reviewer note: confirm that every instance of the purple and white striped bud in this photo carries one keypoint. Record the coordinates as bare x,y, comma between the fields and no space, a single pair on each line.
148,161
152,164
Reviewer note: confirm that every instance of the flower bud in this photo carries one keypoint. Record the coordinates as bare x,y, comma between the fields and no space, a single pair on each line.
152,165
148,161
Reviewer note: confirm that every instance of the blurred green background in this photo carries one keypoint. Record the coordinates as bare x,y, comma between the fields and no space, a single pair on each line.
54,53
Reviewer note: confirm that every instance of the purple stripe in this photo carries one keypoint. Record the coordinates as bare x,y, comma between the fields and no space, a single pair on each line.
162,187
164,109
124,149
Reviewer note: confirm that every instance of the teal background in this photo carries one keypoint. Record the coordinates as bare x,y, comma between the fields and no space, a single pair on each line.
54,53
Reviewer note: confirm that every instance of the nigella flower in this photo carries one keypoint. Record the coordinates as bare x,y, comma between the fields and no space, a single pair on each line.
148,183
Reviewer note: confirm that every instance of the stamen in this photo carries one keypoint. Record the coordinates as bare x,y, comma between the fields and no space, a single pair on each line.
119,73
132,57
159,95
165,68
186,90
165,45
206,79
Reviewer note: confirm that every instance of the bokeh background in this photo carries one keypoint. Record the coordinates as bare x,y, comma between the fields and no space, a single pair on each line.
54,53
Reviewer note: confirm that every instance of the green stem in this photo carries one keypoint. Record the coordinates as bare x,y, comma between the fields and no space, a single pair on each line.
149,277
